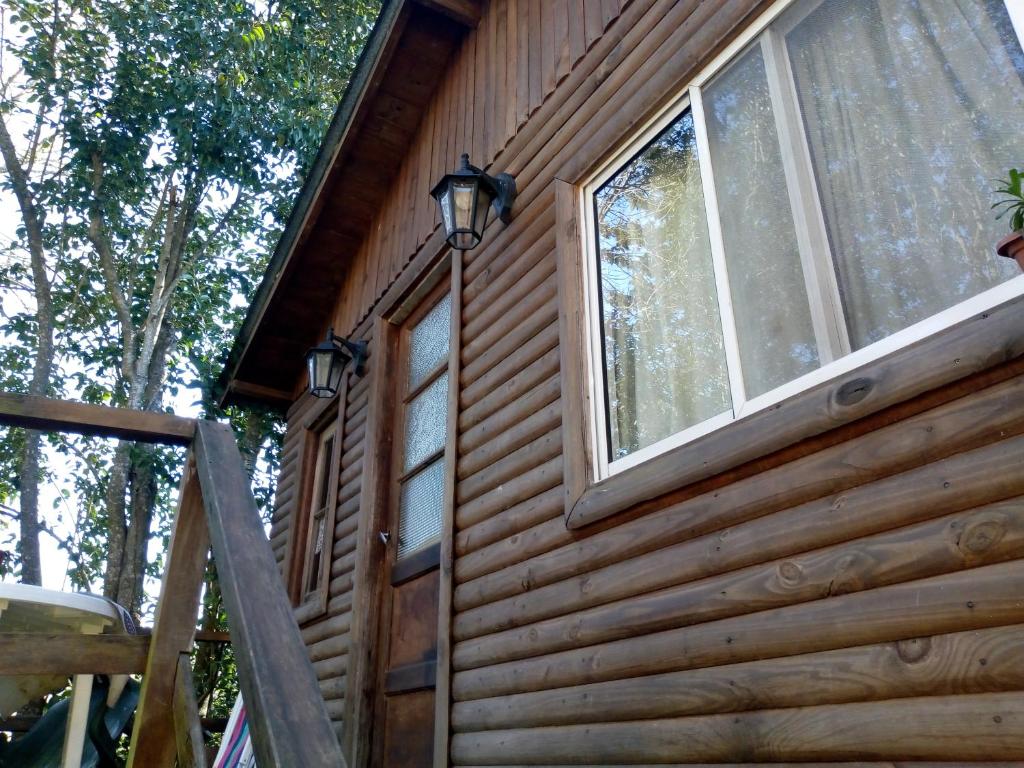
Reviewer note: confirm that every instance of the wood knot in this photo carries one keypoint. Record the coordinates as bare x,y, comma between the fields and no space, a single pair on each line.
979,536
853,391
913,650
790,572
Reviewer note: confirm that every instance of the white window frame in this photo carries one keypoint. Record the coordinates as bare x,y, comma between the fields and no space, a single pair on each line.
831,334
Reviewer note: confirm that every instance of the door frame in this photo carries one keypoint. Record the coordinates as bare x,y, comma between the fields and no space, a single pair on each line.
372,572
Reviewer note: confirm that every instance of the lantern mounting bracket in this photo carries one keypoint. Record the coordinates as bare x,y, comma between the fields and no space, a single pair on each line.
355,348
504,185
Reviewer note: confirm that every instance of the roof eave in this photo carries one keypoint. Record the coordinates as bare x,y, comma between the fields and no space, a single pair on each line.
385,26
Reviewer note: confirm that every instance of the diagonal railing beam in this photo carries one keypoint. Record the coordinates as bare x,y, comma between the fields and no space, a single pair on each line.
288,720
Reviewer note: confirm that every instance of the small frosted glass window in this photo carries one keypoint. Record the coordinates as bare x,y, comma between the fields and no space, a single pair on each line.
419,517
426,422
428,343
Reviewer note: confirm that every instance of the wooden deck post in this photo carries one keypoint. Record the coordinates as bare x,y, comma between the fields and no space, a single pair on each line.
188,732
153,741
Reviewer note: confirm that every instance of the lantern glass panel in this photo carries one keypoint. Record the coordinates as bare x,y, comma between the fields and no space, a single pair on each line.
311,364
445,203
337,367
464,193
325,368
483,208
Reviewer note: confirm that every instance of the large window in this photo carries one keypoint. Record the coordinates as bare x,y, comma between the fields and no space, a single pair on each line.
823,192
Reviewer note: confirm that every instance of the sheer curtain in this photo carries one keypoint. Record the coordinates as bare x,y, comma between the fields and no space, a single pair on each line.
664,353
773,317
911,108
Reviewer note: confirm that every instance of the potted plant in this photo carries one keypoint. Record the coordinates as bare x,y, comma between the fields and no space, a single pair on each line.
1012,204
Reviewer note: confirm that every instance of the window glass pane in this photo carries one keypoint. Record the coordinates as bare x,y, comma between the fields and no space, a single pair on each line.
773,318
324,472
425,422
428,344
419,515
664,356
316,559
912,108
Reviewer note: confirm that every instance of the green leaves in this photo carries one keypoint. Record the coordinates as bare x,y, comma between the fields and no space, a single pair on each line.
218,102
1012,204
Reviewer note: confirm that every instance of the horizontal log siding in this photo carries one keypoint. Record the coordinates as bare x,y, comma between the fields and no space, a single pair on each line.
776,618
856,601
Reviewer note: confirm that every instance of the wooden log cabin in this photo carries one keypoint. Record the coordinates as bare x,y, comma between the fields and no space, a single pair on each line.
712,452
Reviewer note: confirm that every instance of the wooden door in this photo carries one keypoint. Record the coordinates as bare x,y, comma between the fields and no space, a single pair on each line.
404,707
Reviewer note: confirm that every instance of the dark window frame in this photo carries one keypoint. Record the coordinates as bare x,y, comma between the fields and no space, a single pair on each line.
324,424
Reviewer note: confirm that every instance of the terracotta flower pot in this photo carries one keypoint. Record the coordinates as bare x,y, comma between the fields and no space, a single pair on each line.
1012,247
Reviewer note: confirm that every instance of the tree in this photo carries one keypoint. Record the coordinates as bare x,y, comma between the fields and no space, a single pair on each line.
160,146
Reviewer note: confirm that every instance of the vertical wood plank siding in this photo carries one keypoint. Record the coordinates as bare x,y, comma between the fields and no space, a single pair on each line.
480,107
853,599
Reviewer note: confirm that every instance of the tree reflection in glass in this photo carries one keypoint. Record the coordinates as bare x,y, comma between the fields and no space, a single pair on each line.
664,354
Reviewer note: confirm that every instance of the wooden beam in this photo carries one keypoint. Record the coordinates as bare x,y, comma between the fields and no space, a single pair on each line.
202,635
954,728
38,653
247,391
188,733
442,670
465,12
212,636
49,415
975,661
287,716
19,724
153,742
368,572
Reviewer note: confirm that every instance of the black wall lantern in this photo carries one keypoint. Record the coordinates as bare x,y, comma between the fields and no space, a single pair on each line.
466,197
327,360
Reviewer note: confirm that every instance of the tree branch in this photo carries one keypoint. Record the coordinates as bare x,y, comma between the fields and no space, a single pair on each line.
219,227
33,220
100,241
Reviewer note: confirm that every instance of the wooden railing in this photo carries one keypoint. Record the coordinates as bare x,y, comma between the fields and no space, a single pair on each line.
216,510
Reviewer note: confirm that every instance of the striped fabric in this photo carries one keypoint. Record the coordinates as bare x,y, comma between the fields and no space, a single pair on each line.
236,746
